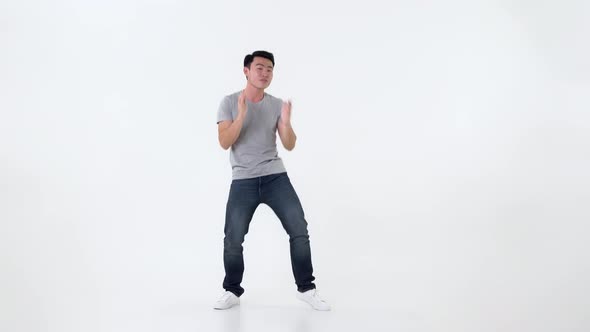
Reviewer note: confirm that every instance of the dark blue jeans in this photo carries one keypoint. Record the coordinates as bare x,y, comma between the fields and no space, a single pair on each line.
245,195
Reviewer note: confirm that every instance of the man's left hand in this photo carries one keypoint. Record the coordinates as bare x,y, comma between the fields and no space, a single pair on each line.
286,114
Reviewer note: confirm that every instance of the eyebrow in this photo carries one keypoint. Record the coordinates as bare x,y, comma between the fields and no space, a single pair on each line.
260,64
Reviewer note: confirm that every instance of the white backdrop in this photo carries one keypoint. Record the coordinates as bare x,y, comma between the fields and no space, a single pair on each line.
442,158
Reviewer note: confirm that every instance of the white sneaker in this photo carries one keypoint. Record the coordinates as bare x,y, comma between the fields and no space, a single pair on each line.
226,301
312,297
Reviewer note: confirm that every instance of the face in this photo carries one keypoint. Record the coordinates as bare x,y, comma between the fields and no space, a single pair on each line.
260,73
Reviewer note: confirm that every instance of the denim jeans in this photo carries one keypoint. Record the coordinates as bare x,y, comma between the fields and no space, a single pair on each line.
245,195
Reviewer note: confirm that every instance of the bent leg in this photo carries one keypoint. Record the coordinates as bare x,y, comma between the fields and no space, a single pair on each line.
243,201
281,197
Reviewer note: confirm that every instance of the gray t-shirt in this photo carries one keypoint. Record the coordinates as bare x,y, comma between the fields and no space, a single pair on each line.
255,152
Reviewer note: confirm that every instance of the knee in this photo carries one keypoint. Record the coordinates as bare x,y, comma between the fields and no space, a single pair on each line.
233,244
296,227
299,238
295,212
295,217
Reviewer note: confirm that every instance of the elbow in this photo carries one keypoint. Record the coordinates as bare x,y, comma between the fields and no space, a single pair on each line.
291,146
224,145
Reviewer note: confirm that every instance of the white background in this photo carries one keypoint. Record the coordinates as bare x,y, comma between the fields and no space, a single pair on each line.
442,162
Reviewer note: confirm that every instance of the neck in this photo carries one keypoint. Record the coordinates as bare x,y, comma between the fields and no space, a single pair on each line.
254,94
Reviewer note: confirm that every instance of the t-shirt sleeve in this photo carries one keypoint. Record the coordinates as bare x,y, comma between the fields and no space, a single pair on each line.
224,111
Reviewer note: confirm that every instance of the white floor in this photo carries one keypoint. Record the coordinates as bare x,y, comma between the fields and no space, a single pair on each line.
257,312
408,278
362,308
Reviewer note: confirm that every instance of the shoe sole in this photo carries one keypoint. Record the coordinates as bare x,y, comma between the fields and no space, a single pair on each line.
231,306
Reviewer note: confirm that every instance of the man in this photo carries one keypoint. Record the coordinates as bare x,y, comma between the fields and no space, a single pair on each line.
247,122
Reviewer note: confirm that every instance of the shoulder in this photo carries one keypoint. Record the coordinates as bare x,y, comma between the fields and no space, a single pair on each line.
231,97
230,100
274,101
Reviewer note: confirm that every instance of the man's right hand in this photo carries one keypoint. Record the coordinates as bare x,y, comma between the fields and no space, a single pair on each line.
242,106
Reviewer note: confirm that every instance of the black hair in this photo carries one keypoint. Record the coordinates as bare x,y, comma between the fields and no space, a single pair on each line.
263,54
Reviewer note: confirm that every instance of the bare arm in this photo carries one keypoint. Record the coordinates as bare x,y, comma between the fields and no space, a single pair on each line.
286,132
229,131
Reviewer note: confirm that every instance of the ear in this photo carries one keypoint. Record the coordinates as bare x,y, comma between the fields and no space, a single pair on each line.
246,72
